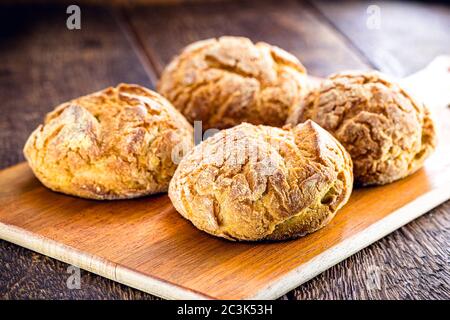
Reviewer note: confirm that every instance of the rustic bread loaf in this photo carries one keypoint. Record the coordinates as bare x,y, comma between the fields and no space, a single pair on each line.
259,182
387,133
226,81
113,144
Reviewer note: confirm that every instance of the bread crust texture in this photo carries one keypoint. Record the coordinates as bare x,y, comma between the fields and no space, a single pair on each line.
117,143
387,132
255,183
226,81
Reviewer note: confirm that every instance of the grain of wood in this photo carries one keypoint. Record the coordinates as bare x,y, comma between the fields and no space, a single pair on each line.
147,237
27,92
397,38
411,263
26,274
43,64
165,30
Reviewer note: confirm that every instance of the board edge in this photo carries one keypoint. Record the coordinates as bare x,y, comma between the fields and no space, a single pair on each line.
96,264
274,290
353,244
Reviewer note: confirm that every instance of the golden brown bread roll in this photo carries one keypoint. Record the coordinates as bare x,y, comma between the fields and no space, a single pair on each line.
113,144
259,182
387,133
226,81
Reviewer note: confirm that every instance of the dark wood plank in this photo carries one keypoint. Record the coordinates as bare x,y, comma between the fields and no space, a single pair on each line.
410,34
26,274
42,63
411,263
165,30
401,272
147,236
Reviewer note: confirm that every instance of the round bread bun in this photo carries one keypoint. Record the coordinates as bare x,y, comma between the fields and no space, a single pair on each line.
113,144
387,133
263,183
226,81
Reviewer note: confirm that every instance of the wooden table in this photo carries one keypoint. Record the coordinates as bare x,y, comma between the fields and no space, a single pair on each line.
42,63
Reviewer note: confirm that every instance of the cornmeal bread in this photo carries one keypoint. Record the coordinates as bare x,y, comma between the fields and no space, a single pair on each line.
113,144
226,81
259,182
387,133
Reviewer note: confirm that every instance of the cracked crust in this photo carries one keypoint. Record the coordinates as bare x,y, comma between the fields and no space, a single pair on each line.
387,133
113,144
263,183
226,81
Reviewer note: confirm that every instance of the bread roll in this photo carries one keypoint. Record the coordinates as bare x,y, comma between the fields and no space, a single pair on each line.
226,81
113,144
387,133
263,183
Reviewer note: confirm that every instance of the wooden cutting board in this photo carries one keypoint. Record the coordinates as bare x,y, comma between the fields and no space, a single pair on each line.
146,244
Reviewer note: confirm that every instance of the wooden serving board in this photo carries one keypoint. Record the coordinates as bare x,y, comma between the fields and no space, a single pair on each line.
146,244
